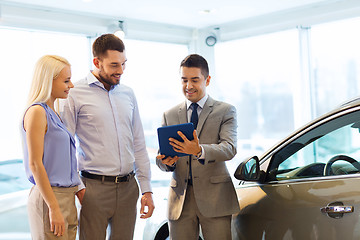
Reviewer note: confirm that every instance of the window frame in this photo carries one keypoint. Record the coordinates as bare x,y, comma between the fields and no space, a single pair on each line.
267,160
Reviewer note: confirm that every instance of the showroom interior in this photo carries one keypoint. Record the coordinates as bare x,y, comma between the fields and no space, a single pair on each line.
280,63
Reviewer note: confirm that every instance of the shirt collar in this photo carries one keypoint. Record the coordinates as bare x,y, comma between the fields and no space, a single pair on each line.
201,102
91,79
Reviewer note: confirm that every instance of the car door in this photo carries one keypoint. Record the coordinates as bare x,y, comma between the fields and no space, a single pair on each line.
309,186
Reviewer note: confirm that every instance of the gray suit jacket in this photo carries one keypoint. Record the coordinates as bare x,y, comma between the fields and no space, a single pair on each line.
214,191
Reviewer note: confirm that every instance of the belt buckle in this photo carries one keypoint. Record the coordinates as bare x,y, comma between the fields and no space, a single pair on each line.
125,178
116,179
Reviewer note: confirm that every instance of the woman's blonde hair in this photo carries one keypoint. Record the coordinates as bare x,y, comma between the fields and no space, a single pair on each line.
47,68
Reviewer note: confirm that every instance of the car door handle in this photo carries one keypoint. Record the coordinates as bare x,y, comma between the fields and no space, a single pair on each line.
337,209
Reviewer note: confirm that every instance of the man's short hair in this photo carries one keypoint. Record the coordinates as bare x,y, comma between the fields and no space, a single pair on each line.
197,61
107,42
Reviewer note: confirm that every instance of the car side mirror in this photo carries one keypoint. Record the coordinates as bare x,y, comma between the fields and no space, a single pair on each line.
248,170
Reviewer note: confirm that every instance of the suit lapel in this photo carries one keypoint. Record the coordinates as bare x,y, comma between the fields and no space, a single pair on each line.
208,107
183,113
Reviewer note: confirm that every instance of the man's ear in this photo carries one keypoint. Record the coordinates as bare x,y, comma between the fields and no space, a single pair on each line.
208,80
96,62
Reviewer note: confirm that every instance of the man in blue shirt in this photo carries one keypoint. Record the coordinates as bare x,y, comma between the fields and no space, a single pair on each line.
104,116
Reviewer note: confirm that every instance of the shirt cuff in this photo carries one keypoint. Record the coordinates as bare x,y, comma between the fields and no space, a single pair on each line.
145,186
201,158
81,186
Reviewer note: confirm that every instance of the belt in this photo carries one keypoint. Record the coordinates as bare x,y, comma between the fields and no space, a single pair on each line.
114,179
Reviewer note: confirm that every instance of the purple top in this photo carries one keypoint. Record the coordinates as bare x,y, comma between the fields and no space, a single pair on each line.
59,156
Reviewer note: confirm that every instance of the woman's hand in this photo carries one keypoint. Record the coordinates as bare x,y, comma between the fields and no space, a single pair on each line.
57,222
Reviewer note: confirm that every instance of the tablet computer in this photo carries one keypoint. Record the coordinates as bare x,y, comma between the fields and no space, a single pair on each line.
164,133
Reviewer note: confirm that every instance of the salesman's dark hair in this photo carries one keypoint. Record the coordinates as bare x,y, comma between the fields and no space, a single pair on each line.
197,61
107,42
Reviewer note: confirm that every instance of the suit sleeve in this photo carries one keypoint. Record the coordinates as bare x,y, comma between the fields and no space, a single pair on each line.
225,149
159,163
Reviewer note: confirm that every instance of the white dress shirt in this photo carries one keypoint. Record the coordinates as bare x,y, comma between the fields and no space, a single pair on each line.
108,130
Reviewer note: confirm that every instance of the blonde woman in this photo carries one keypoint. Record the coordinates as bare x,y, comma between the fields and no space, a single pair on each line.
49,154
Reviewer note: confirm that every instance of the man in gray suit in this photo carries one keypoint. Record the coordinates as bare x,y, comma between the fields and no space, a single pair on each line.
201,190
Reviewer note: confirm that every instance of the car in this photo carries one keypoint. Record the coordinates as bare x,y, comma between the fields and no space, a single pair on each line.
307,186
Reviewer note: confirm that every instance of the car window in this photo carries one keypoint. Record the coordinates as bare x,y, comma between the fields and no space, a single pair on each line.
333,148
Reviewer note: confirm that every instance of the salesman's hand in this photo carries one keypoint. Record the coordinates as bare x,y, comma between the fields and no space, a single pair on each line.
188,147
147,201
170,161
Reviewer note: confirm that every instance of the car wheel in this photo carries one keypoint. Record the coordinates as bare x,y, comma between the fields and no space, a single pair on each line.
163,233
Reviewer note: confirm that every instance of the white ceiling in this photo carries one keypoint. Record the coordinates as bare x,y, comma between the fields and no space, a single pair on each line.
187,13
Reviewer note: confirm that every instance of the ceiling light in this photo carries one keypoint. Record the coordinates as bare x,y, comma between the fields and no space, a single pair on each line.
118,29
120,33
207,11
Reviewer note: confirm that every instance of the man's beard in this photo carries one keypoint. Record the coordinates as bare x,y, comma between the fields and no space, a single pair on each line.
107,81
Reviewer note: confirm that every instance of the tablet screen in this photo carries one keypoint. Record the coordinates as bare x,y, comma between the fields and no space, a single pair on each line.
164,133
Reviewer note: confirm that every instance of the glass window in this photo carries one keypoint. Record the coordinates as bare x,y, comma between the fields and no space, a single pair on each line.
152,71
259,75
20,49
336,63
333,148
